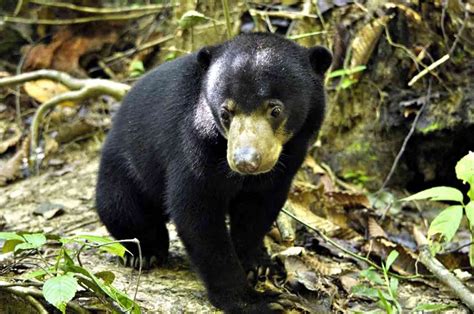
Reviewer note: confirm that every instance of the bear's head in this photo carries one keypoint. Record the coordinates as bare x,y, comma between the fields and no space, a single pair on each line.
261,89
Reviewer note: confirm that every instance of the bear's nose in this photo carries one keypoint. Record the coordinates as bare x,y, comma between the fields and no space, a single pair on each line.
247,159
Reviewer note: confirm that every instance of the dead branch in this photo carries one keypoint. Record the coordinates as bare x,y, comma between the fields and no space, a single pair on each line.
79,8
80,89
145,46
440,272
446,277
283,14
79,20
30,293
430,68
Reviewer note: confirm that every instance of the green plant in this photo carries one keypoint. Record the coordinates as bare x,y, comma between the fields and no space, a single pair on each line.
358,177
136,68
63,277
347,77
384,290
443,228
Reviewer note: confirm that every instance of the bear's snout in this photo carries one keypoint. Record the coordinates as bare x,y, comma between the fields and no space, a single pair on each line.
247,159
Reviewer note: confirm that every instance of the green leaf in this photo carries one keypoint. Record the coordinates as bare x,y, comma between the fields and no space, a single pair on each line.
343,72
365,291
191,19
11,236
108,245
434,307
170,56
32,241
136,68
439,193
470,213
390,259
447,222
368,292
393,285
37,240
347,82
372,276
383,300
24,246
123,300
107,276
10,245
465,169
35,274
60,290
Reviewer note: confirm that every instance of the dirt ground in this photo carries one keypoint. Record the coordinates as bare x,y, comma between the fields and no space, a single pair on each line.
173,288
69,182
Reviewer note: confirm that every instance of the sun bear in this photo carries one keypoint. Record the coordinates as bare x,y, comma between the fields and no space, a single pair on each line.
214,134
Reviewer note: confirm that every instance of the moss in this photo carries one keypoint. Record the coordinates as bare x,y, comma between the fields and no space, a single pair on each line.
358,177
431,128
358,147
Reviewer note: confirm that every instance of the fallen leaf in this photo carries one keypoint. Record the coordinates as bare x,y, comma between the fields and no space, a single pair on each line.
365,42
43,90
11,170
12,138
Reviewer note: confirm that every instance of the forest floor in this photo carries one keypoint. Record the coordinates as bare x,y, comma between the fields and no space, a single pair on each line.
72,187
174,288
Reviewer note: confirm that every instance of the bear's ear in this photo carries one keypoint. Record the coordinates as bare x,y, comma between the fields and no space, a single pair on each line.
320,59
204,57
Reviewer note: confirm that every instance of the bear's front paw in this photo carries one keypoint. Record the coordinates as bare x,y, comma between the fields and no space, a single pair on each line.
252,302
147,261
262,268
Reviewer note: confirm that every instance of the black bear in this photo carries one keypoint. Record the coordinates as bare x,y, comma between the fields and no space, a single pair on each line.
214,134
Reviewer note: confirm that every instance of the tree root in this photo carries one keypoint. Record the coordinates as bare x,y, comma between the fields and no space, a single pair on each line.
446,277
79,89
30,296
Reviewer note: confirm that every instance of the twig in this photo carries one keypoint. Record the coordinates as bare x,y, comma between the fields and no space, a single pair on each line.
343,249
407,138
430,68
446,277
461,29
70,6
80,225
19,68
296,37
145,46
140,257
21,284
61,77
461,247
412,56
283,14
225,5
444,4
19,6
79,20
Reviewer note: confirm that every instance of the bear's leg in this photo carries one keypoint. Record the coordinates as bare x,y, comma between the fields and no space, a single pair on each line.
128,214
252,215
199,216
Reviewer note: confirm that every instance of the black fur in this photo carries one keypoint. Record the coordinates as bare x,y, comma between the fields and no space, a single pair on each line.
166,157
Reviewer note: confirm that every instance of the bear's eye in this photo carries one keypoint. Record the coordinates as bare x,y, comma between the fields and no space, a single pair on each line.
276,111
225,116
